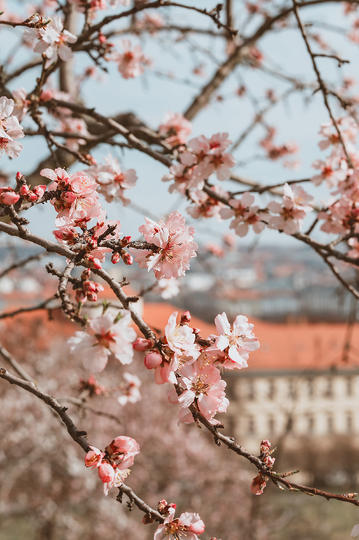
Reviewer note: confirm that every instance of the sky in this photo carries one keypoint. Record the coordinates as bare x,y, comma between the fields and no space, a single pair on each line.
151,97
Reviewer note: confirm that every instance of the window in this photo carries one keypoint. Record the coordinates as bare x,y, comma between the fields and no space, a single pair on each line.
310,387
349,422
329,388
330,423
310,424
271,389
250,390
349,385
292,389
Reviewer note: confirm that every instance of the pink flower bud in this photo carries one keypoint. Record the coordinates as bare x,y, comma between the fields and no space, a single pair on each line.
9,197
106,473
127,258
18,176
126,240
115,258
186,317
32,197
152,360
24,190
93,457
142,344
91,297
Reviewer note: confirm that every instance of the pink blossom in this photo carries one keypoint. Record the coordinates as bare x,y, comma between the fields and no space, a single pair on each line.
332,171
150,22
106,473
202,382
209,156
167,288
122,451
104,337
52,40
181,339
186,527
21,103
130,392
112,180
93,458
175,247
244,214
76,126
205,206
291,212
176,129
237,342
132,62
77,198
10,129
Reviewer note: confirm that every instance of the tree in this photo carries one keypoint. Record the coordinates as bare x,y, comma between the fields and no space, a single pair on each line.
61,46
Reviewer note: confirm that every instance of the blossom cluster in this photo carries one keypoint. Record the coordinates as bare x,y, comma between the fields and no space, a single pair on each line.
113,465
193,365
187,526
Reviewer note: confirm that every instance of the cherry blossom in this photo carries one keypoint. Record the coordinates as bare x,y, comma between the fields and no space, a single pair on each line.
176,129
167,288
130,393
10,129
93,458
77,197
237,342
180,339
291,212
112,180
244,214
187,527
209,156
205,206
104,337
175,244
202,382
132,62
52,40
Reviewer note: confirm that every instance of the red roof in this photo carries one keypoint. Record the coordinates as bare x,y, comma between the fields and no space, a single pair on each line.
286,346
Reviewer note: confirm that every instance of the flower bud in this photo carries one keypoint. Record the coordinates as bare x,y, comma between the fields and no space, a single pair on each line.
152,360
142,344
18,176
127,258
24,190
115,257
185,317
9,197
